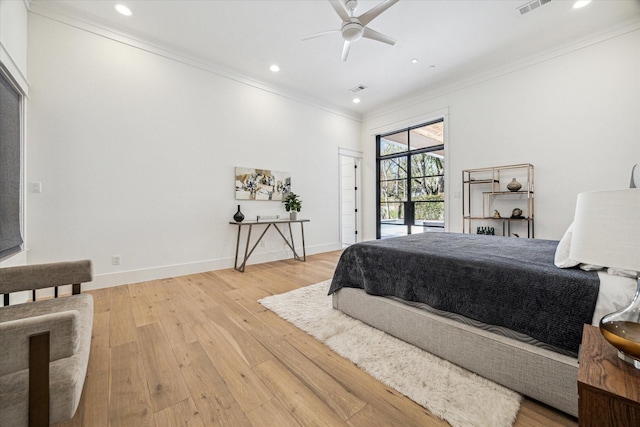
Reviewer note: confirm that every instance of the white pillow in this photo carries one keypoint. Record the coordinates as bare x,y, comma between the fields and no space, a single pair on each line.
562,259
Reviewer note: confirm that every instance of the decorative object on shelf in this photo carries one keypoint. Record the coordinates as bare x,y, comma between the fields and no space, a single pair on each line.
267,218
292,204
261,184
496,214
516,213
606,232
514,185
239,216
489,231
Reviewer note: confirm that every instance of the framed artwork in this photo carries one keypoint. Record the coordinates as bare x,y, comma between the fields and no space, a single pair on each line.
261,184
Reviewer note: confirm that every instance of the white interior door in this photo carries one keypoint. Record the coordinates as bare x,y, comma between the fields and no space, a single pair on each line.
349,182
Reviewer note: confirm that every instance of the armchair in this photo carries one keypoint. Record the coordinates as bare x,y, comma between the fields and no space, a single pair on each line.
44,344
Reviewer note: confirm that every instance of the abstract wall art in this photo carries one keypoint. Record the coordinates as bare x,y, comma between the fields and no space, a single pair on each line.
261,184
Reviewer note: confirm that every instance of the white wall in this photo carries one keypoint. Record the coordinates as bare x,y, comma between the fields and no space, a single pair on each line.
136,156
575,117
13,40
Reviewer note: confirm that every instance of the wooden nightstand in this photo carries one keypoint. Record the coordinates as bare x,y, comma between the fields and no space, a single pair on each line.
608,388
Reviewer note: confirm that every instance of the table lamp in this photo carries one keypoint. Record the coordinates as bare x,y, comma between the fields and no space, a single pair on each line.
606,233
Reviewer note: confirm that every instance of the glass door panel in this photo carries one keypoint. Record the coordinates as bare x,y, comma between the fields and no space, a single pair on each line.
427,136
395,168
392,220
410,173
393,191
394,143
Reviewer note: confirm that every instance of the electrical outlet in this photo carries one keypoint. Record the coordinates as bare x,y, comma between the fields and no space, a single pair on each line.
263,244
115,260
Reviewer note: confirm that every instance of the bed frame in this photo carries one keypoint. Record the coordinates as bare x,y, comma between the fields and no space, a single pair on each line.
541,374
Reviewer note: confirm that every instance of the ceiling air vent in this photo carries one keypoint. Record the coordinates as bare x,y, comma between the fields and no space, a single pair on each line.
357,88
532,5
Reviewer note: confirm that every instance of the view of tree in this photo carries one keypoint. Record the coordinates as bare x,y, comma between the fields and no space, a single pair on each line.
427,185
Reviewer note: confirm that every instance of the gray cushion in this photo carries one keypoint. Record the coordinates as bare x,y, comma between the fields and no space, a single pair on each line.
14,336
67,374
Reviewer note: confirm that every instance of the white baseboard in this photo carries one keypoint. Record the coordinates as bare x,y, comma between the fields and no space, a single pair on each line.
108,280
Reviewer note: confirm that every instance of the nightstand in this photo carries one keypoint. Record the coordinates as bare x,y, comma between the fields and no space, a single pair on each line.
608,388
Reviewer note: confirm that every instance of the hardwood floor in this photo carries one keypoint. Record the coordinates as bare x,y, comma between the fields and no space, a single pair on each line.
200,350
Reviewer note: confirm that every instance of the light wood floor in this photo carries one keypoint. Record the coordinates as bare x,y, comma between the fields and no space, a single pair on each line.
200,350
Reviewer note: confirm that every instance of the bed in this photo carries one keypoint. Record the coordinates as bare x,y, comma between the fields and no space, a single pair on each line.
497,306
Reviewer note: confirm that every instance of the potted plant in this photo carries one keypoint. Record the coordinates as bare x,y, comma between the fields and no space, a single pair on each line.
292,204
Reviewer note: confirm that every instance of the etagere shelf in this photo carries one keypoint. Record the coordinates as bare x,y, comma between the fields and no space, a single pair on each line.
490,207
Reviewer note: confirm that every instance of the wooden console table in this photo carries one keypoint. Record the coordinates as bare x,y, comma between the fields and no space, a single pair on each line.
608,388
268,223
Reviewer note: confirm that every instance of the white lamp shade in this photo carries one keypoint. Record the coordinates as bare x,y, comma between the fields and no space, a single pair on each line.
606,229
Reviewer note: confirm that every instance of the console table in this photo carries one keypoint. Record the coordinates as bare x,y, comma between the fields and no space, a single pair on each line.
268,223
608,388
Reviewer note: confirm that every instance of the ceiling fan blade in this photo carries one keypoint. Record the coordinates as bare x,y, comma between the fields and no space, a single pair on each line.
374,12
338,6
374,35
345,50
320,34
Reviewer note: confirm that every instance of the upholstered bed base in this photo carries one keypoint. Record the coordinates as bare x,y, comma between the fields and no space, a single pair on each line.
538,373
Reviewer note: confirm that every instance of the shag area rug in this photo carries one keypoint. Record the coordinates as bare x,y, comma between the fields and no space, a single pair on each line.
451,393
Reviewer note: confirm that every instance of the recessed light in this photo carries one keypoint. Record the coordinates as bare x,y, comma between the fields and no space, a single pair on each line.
414,61
356,100
123,10
581,3
274,68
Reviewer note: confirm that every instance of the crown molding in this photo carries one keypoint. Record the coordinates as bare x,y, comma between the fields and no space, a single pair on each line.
13,72
440,90
86,24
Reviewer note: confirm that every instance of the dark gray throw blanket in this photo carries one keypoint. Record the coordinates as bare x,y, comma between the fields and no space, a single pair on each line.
501,281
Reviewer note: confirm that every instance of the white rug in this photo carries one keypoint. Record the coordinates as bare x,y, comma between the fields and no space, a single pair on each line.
448,391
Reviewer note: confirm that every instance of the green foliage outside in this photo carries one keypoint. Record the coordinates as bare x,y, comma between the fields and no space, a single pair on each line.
427,185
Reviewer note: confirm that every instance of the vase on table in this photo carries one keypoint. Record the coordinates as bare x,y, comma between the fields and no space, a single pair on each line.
239,216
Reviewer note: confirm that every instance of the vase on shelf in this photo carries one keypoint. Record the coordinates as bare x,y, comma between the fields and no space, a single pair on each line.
293,215
514,185
239,216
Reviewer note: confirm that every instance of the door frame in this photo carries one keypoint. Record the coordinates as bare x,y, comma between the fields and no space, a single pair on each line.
440,115
357,156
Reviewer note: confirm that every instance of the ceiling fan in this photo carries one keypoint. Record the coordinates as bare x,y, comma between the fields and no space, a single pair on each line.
355,27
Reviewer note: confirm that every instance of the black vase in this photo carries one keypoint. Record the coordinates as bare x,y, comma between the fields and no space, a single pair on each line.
238,217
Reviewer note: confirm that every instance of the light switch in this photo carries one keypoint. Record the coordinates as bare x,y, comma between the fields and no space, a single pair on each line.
36,187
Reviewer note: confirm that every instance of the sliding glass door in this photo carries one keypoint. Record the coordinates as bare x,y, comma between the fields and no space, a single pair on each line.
410,180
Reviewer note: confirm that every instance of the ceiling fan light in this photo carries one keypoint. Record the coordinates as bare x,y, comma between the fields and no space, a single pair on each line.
352,32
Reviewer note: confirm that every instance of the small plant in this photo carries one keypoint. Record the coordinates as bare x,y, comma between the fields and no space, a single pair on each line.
292,202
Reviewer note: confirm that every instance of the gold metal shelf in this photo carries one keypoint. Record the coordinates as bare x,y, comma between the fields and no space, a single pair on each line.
501,218
478,203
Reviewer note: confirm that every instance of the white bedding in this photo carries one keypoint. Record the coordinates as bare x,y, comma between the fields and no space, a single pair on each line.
615,293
